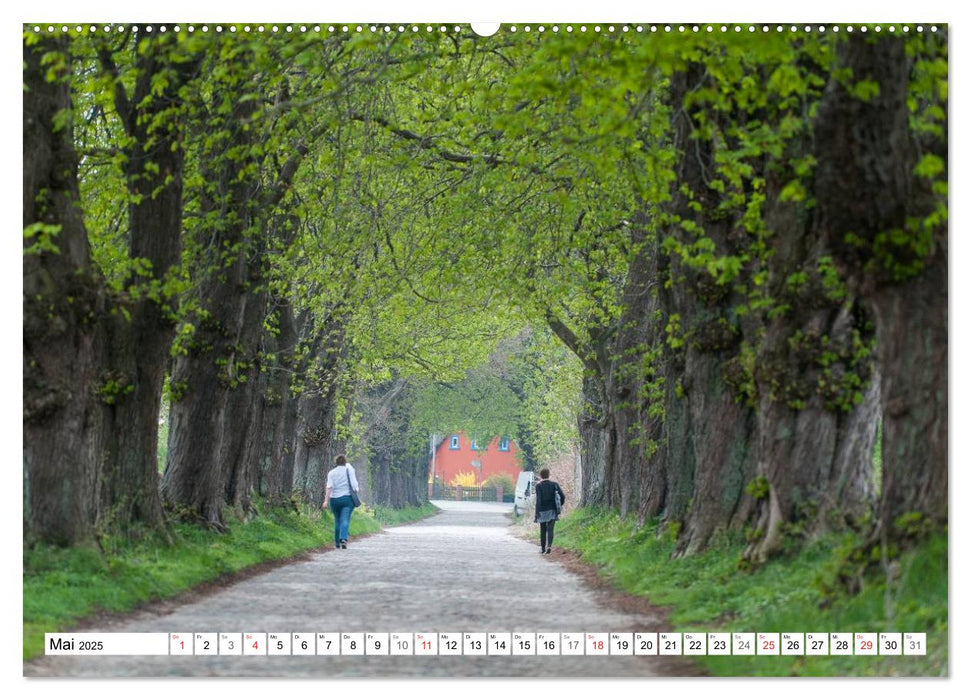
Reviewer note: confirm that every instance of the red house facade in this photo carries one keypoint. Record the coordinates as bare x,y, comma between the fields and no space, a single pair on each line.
458,454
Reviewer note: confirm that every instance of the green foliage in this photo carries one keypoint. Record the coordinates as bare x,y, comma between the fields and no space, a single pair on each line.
708,592
41,238
758,488
503,480
113,387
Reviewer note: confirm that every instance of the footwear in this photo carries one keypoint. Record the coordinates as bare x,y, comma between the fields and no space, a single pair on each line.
343,544
549,550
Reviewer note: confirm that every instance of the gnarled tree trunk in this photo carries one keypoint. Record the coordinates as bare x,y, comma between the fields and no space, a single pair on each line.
138,345
874,213
63,306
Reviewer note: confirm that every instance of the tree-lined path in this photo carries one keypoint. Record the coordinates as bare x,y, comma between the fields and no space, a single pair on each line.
458,571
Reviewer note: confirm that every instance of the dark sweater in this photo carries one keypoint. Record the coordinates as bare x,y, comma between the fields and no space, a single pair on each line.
545,496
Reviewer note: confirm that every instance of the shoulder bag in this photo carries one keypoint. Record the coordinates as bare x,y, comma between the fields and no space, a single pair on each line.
355,499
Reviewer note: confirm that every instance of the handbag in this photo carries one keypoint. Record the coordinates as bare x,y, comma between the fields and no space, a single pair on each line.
355,499
556,498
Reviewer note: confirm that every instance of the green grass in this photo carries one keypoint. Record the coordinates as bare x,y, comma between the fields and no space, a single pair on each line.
63,586
710,592
390,517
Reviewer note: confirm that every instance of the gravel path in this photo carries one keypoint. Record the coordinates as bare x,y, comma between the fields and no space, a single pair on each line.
458,571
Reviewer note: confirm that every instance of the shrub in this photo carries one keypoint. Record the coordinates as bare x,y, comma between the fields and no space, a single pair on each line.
503,480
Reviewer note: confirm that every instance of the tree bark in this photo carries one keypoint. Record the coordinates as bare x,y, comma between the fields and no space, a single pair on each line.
317,444
141,334
63,304
279,413
869,194
709,430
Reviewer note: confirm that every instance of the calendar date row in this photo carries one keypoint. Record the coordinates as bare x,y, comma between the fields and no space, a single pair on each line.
489,644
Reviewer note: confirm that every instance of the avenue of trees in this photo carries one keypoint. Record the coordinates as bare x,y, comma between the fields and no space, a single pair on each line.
716,263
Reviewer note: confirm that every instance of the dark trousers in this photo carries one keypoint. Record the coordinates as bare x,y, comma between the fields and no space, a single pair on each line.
546,534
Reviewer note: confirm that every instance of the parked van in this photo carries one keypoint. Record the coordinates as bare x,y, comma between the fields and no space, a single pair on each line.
525,493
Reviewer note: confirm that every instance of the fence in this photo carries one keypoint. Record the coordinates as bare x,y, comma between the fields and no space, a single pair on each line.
444,492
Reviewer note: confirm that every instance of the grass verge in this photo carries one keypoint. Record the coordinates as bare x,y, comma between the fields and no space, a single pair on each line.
710,592
62,586
390,517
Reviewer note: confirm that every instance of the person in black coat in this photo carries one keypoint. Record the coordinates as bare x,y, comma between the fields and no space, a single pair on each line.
549,503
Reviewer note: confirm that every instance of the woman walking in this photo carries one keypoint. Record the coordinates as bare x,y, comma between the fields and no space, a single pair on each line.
341,494
549,503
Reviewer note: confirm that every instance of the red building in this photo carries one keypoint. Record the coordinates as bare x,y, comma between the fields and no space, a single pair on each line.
457,454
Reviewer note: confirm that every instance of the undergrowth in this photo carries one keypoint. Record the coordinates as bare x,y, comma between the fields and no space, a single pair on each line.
797,592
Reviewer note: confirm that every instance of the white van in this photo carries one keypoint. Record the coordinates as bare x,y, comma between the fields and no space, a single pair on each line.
525,493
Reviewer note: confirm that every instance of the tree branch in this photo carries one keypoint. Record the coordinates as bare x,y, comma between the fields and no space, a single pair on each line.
570,339
122,103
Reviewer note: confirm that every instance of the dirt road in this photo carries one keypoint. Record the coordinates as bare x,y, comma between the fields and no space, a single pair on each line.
458,571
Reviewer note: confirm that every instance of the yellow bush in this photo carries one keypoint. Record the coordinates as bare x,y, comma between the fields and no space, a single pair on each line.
465,479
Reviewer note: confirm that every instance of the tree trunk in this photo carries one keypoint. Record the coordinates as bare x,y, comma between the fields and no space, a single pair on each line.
63,303
709,430
202,380
139,345
279,413
912,349
213,378
317,443
597,441
882,220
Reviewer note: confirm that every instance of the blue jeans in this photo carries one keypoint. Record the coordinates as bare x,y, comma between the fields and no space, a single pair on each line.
341,507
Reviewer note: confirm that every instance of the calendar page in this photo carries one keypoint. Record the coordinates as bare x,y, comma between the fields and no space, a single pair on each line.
613,348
